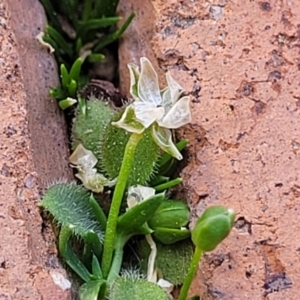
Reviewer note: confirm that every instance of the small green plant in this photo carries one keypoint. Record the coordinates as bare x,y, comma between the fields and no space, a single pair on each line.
78,32
130,152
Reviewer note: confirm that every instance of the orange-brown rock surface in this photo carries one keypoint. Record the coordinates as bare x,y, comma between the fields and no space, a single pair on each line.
240,62
33,151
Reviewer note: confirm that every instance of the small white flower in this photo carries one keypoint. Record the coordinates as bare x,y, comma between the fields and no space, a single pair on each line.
163,110
85,160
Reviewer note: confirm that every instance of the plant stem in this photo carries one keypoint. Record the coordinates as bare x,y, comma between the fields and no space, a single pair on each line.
191,274
110,233
118,259
151,273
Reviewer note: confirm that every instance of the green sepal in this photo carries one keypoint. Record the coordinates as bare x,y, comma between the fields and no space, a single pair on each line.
134,218
169,236
90,289
167,164
166,158
212,227
170,214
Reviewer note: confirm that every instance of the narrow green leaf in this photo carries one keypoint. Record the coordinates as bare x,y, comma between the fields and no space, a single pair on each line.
92,239
114,36
60,41
75,69
87,10
69,256
72,88
137,216
95,57
65,78
51,14
106,8
159,179
101,217
168,184
90,290
85,27
96,269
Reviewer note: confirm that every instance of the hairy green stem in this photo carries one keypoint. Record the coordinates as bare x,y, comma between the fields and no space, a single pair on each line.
191,274
110,233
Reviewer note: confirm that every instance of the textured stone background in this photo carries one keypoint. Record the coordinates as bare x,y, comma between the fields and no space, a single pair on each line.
240,62
33,151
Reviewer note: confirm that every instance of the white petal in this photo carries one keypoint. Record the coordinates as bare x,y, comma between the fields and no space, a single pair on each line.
167,100
178,115
139,193
174,86
166,285
83,158
147,113
163,138
94,181
129,122
134,78
148,88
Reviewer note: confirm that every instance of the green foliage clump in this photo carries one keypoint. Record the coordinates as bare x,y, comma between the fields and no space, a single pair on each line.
89,126
127,287
113,145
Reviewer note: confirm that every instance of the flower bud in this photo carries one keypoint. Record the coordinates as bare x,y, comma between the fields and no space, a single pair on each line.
212,227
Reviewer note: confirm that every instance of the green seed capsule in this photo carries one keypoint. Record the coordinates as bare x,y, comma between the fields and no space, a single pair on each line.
212,227
169,220
170,214
169,236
